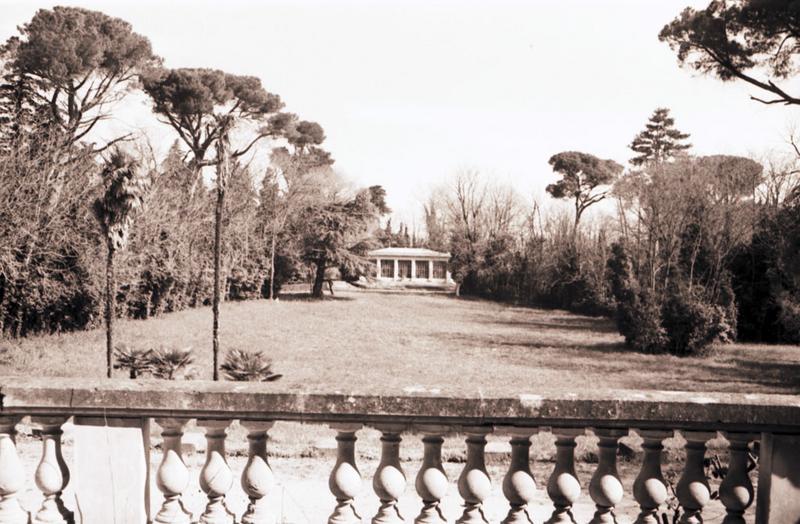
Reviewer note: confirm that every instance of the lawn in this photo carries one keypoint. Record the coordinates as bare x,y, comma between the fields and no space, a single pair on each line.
372,342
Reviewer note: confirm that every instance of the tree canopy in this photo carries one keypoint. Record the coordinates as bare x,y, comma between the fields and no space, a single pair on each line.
733,39
79,59
581,174
659,141
200,103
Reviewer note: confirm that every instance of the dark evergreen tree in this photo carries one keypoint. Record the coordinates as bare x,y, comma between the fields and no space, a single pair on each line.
660,141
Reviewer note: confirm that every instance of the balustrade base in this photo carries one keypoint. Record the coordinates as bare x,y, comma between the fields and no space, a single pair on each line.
473,514
257,513
518,514
344,513
561,515
173,512
431,514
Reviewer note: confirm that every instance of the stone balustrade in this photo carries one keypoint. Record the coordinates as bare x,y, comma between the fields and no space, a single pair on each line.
114,420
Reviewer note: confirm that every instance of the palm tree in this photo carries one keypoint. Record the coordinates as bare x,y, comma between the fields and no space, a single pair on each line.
123,194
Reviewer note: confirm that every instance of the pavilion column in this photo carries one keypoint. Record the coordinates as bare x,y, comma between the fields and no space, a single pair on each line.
430,269
474,484
563,486
52,474
378,268
345,479
395,268
431,482
693,491
413,268
12,474
649,488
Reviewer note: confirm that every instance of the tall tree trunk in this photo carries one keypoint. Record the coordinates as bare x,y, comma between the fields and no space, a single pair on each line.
223,152
319,278
111,300
217,277
272,268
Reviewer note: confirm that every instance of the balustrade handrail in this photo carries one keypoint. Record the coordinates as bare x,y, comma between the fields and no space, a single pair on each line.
262,401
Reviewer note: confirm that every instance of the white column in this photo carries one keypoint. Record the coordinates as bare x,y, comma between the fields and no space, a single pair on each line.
692,490
378,268
216,477
474,484
519,488
649,488
395,268
413,268
390,480
563,486
605,487
12,474
257,477
431,482
345,479
52,474
172,476
430,269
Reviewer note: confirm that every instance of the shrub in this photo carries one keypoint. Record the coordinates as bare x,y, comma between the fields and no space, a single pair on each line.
136,361
167,363
692,324
242,365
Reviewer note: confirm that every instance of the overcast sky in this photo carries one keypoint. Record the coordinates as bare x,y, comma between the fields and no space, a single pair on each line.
410,92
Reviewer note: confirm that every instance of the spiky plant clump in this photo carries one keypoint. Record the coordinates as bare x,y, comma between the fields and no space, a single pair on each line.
242,365
136,361
166,363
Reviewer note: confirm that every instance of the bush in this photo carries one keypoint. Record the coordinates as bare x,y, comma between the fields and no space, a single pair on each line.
692,324
136,361
167,363
242,365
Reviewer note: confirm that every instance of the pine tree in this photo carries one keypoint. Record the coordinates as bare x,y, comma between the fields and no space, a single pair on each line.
660,141
19,109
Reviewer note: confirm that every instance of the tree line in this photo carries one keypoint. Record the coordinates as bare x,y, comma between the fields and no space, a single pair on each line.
698,249
89,228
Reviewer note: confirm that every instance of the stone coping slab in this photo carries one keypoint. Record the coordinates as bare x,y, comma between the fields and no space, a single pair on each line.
265,401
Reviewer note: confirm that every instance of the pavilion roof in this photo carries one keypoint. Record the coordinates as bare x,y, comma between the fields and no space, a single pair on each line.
407,252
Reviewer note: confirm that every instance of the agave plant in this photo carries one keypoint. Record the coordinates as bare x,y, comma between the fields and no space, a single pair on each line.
136,361
166,363
242,365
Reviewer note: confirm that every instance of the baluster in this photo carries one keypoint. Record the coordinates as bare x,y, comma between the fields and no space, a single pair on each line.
12,474
345,479
257,477
431,482
173,475
390,480
693,491
52,474
474,484
216,477
519,487
563,486
605,488
736,490
649,488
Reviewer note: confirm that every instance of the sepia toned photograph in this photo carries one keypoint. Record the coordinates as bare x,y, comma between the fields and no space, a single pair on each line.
399,262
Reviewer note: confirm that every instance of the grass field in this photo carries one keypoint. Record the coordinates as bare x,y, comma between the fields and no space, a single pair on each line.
376,342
